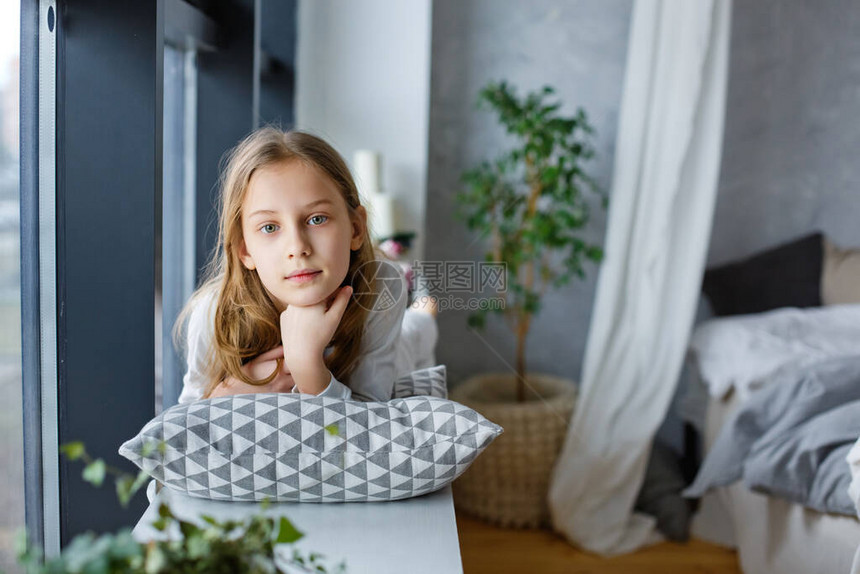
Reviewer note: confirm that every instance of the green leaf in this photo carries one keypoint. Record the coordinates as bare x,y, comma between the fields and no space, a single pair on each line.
21,546
532,302
198,547
287,533
123,489
189,529
73,450
160,524
94,473
127,486
333,429
151,446
549,175
477,320
594,253
125,547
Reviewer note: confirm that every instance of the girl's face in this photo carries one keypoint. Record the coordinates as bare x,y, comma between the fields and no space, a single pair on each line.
294,218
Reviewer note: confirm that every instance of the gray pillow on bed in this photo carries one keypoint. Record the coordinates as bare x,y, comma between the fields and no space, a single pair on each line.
791,437
294,447
786,275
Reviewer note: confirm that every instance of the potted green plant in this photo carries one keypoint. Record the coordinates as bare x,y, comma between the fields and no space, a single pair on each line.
530,203
250,545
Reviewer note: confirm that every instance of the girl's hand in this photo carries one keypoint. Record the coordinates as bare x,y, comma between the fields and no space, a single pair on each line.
258,368
306,331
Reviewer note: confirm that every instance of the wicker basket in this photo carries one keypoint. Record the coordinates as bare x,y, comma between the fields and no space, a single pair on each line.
507,484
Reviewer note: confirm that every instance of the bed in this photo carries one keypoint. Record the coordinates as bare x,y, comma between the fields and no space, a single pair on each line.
772,387
771,534
760,367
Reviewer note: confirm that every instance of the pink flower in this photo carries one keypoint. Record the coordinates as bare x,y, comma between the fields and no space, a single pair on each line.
391,248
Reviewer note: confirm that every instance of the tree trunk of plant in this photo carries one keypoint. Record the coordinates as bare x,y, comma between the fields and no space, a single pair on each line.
522,331
525,316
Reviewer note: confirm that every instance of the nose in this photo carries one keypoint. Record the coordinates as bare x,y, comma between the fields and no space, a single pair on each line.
298,244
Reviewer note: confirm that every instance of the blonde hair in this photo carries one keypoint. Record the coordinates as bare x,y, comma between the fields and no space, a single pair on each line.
246,322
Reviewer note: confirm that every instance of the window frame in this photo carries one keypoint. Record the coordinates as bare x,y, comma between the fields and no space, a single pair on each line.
92,148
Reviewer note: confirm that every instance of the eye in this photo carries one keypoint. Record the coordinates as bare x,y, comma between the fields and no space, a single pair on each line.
270,226
319,216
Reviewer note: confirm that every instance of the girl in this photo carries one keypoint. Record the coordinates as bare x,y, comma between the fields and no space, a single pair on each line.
291,300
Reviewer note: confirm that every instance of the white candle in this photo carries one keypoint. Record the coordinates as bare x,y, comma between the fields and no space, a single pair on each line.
381,219
367,166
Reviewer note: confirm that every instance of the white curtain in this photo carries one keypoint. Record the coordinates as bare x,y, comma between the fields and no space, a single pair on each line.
661,205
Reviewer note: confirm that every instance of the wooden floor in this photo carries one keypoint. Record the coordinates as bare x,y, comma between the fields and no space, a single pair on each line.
490,550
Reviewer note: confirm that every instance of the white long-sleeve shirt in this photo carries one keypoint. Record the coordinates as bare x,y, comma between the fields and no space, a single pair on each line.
383,357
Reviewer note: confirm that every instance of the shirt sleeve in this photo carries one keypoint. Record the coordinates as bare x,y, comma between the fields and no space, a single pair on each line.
374,376
199,344
335,389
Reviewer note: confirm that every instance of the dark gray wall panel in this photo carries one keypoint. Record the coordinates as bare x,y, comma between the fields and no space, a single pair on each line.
224,108
109,176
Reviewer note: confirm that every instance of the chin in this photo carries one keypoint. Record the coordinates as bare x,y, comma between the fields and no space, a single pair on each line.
305,299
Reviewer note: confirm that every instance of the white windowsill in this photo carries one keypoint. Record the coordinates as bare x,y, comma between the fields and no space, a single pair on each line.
416,535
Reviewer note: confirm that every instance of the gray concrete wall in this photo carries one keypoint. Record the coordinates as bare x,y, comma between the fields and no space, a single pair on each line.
790,154
579,47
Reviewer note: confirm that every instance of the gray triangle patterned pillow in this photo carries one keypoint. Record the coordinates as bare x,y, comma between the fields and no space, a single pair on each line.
431,381
299,448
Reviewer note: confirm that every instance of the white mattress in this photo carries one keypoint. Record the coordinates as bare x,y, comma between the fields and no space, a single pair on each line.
772,535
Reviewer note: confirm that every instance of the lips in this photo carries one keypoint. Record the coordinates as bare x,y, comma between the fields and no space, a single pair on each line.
302,273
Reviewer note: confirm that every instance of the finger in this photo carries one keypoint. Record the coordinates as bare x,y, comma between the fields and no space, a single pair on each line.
284,368
283,384
271,354
338,306
330,299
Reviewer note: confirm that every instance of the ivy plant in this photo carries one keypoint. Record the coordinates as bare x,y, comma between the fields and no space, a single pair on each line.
532,202
253,546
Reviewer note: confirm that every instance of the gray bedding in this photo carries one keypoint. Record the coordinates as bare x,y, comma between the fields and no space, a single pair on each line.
790,439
